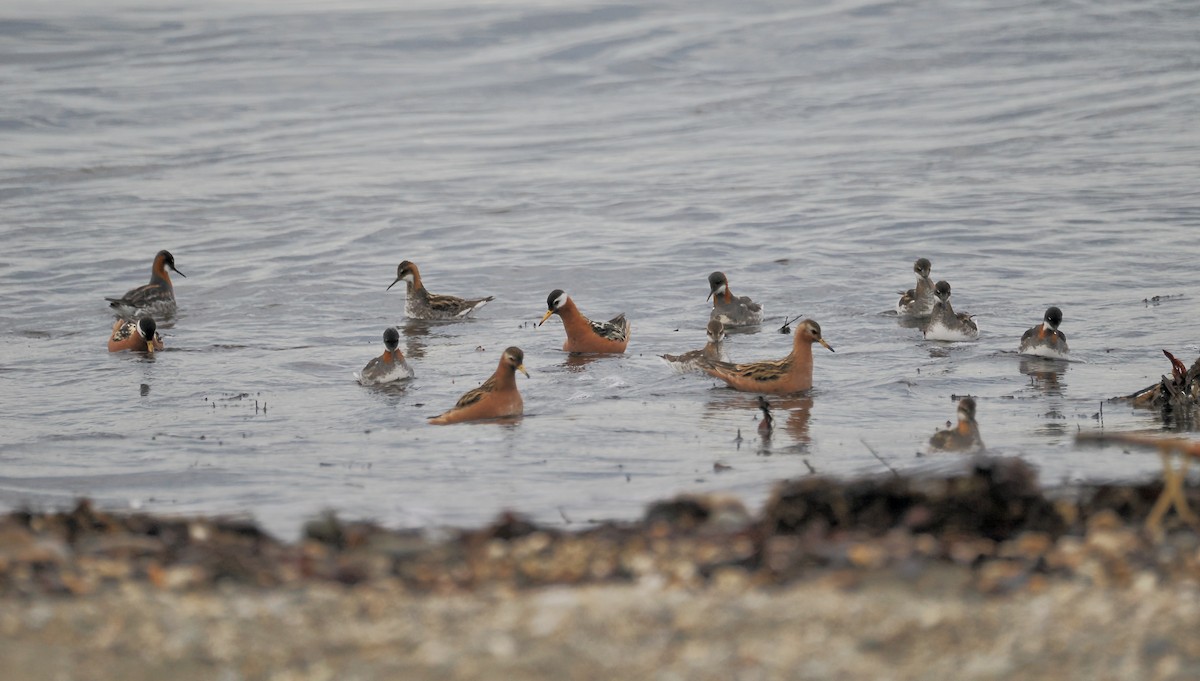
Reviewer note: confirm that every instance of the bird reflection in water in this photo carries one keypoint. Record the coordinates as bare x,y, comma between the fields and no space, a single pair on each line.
577,361
415,333
1045,374
787,414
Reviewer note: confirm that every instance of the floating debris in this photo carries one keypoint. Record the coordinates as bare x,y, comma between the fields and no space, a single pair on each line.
1155,300
1177,396
787,324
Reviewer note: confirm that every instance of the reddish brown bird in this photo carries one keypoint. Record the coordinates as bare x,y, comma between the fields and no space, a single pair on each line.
498,397
139,336
792,374
583,334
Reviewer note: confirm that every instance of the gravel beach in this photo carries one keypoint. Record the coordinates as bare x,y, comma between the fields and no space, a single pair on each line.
881,628
976,576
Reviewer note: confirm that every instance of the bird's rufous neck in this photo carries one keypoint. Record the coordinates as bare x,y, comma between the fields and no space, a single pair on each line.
158,274
506,375
573,320
415,284
802,352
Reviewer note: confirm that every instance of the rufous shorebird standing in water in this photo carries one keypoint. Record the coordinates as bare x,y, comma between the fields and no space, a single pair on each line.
497,398
583,334
792,374
139,336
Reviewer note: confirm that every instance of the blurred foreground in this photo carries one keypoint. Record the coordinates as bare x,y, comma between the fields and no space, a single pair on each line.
972,576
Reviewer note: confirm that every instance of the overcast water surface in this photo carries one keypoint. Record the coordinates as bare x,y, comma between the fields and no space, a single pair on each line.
291,154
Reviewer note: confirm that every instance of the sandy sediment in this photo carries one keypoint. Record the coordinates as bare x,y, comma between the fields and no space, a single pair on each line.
969,577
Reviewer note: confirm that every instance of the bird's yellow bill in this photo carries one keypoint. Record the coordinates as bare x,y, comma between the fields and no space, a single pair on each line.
521,368
150,346
827,345
545,317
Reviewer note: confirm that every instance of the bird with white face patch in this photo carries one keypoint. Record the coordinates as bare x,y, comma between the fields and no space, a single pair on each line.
944,323
1045,340
729,309
421,304
156,298
583,334
139,336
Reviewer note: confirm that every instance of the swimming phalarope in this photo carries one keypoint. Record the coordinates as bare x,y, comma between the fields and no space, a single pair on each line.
712,350
155,298
918,302
139,336
388,367
791,374
961,438
944,323
498,397
421,304
583,334
1045,340
729,309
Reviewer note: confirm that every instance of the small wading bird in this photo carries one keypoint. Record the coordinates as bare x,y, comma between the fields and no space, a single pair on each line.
1045,340
498,397
963,437
421,304
388,367
156,298
918,302
791,374
139,336
944,323
583,334
729,309
712,351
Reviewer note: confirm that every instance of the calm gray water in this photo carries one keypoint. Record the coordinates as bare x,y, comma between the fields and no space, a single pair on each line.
291,154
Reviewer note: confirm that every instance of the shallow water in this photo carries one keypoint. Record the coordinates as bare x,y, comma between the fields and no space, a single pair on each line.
290,156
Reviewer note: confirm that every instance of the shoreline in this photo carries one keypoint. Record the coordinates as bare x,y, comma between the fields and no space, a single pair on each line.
968,576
